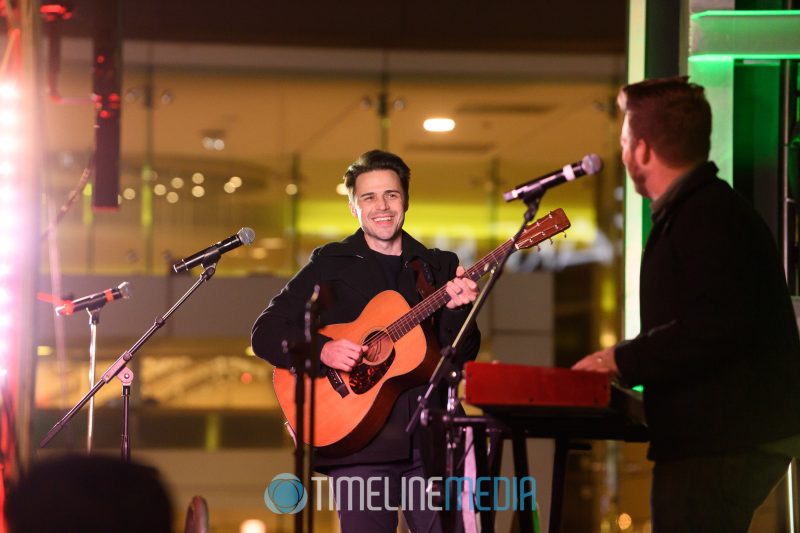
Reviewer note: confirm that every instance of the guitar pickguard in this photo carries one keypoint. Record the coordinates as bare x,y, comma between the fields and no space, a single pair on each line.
375,363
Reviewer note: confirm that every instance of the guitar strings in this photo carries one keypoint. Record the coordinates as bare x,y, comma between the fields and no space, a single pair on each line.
428,306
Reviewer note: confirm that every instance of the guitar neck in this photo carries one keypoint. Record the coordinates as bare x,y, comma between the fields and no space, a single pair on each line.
439,298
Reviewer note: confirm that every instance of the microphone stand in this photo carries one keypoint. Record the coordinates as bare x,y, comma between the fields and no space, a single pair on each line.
305,364
450,368
210,267
94,319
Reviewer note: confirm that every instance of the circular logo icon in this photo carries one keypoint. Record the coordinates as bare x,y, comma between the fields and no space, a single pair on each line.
285,494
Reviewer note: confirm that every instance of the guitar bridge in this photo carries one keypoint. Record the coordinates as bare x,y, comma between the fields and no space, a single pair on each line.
337,383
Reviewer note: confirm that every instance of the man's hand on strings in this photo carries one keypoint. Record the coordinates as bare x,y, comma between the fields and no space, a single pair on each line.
342,354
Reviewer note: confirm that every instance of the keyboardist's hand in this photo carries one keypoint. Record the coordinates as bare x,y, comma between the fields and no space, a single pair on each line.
602,361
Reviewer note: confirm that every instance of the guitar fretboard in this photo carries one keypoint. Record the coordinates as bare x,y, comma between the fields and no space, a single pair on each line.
439,298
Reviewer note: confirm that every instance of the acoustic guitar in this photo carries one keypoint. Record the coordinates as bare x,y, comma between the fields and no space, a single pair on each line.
351,407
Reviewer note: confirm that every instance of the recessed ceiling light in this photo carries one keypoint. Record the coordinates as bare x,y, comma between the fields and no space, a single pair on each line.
439,124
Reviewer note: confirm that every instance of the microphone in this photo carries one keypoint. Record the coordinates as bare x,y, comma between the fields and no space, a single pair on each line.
590,164
95,301
244,236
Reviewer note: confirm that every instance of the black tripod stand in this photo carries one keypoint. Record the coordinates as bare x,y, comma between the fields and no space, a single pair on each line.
450,369
122,361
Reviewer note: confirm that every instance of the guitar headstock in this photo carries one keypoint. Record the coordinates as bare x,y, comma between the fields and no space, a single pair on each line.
544,228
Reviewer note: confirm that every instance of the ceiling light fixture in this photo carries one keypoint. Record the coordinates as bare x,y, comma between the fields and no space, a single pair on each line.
439,124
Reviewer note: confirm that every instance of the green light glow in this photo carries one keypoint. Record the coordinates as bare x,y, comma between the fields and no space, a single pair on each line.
745,13
725,58
746,34
633,202
717,78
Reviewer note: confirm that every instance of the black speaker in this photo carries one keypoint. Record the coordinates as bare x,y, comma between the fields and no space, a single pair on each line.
106,86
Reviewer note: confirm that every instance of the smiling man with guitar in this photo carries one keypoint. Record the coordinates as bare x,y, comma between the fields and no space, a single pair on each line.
375,352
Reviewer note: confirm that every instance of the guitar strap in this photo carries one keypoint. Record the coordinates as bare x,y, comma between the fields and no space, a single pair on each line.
424,278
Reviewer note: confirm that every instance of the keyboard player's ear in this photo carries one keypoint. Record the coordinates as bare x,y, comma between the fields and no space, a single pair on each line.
602,361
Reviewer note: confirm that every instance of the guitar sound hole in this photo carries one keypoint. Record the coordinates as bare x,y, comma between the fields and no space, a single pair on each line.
374,364
380,347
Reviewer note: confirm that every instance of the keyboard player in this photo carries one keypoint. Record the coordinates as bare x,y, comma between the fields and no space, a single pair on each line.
718,353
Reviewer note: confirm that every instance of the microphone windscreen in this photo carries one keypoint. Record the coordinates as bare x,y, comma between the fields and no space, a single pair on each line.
592,164
125,289
246,235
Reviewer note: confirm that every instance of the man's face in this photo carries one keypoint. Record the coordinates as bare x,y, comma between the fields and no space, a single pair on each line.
629,155
380,206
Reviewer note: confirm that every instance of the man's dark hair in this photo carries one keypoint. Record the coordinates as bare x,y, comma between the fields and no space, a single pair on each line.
90,494
376,160
672,116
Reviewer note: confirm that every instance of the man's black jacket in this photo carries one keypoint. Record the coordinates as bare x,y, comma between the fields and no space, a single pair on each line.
718,353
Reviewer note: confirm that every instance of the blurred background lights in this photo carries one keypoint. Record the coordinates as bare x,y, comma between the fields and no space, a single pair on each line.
8,118
129,194
8,144
258,253
198,178
624,521
291,189
236,181
12,214
8,91
198,191
176,182
8,219
44,351
172,197
212,140
253,526
229,187
341,189
7,193
160,189
608,339
439,124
